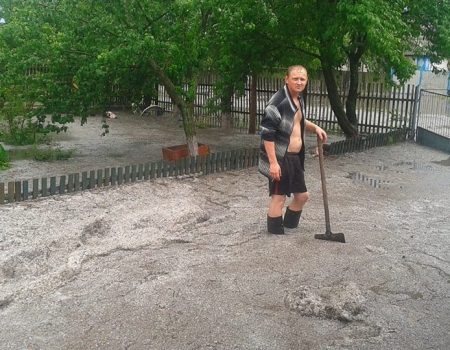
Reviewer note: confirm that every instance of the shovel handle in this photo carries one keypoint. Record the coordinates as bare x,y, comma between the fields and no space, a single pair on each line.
324,186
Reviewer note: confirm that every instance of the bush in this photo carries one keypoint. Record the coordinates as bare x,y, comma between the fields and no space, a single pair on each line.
52,154
49,154
4,158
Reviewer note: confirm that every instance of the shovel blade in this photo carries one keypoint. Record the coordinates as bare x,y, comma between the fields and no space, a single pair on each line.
335,237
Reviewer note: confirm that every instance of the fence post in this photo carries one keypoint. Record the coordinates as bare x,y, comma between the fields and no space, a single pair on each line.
17,191
10,192
107,177
25,191
62,184
2,193
70,183
113,176
252,105
76,180
415,115
84,182
35,188
44,187
119,176
53,185
99,178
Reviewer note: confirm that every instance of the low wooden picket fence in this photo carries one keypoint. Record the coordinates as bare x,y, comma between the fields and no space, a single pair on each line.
365,142
16,191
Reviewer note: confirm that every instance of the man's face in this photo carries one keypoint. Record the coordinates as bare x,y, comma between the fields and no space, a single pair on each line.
296,81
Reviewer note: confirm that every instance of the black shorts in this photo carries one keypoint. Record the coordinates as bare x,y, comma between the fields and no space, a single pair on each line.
292,177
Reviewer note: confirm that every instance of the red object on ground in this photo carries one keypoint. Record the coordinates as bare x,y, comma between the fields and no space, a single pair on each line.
174,153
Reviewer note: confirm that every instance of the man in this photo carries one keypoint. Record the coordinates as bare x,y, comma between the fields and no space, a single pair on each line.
282,155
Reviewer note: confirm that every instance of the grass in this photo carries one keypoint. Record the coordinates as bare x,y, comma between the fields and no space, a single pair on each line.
49,154
4,158
24,138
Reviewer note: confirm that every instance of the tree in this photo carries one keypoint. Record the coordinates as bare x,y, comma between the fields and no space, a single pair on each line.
256,35
131,44
241,40
374,33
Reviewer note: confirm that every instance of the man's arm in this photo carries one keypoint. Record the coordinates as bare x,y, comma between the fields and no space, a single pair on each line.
313,128
274,167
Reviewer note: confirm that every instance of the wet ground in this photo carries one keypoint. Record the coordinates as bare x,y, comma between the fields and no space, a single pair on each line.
187,264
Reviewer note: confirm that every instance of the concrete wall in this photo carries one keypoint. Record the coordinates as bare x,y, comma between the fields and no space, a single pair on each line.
430,139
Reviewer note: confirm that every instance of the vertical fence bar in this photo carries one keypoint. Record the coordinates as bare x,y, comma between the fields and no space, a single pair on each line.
99,182
140,173
187,166
223,160
150,169
133,173
84,180
163,170
70,183
113,176
107,180
365,105
17,191
92,179
35,188
159,169
372,104
25,190
399,121
384,106
44,187
207,164
184,167
2,193
53,185
180,167
147,171
127,174
407,115
119,176
76,182
62,184
11,187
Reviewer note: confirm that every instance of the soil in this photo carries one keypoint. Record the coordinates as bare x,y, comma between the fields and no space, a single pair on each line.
131,140
186,263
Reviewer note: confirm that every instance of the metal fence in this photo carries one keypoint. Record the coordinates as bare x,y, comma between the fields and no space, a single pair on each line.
380,107
433,123
434,112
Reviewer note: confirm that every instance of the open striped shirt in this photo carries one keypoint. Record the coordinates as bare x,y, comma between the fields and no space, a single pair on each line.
276,126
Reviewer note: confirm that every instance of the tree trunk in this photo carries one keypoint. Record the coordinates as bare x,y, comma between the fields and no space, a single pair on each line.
187,114
350,104
336,103
226,103
186,110
252,106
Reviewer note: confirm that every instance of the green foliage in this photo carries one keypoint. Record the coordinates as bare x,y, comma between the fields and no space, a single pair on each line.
89,52
60,59
4,158
47,154
51,154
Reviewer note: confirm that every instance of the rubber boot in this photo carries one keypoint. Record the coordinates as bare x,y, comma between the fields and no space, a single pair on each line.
275,225
291,218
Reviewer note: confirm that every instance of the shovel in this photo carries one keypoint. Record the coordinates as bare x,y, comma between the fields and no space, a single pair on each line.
328,236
